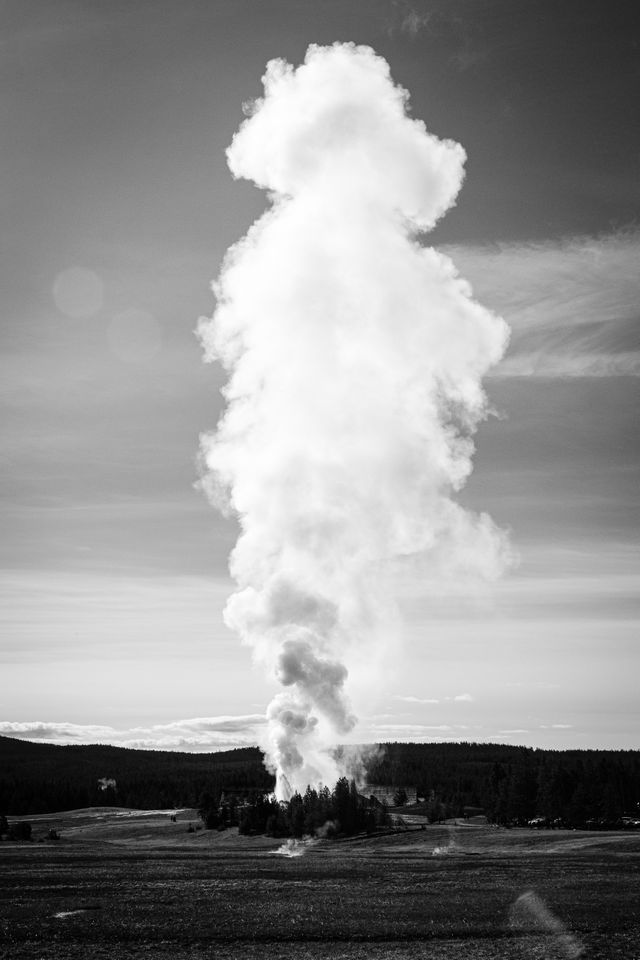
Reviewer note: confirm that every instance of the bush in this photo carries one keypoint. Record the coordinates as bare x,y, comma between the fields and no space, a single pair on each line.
211,819
400,797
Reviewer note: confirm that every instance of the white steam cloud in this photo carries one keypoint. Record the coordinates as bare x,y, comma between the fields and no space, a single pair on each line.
355,357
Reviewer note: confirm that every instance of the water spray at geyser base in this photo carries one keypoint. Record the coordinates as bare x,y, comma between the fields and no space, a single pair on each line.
355,359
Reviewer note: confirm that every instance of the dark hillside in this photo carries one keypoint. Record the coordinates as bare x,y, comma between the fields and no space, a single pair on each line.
510,784
39,777
516,784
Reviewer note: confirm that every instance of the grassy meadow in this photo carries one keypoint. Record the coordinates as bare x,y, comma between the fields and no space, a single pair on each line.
123,884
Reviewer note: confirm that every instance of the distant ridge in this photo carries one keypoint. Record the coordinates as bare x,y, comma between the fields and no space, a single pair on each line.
43,777
510,783
22,749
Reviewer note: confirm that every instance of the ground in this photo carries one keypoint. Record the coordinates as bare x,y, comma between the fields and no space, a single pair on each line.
124,884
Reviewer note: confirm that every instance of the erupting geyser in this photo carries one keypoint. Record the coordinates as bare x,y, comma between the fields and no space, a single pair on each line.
356,357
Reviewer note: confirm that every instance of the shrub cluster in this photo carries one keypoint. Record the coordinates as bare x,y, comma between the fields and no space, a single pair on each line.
324,812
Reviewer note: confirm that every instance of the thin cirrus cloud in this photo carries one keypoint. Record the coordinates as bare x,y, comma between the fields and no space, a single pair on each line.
572,304
198,734
401,731
459,698
416,699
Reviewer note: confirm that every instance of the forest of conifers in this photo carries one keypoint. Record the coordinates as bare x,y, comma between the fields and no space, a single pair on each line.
516,784
510,784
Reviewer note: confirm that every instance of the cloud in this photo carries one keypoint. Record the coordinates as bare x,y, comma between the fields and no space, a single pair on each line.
91,613
573,304
460,698
413,730
198,734
407,19
533,684
415,699
416,732
56,732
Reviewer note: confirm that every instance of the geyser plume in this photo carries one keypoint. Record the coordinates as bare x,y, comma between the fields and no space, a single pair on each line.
355,357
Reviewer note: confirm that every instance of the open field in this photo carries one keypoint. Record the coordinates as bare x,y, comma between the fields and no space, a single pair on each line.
122,884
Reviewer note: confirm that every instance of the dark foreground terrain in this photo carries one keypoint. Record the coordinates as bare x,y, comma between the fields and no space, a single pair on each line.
120,884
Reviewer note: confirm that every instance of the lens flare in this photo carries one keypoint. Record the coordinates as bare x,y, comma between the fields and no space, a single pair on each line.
78,293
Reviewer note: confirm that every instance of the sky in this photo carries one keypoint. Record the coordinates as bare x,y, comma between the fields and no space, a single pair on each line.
118,209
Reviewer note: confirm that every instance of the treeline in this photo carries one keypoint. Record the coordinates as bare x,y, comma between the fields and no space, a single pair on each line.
509,784
343,811
514,785
42,778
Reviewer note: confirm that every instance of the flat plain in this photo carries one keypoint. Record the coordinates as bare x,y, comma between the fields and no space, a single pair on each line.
130,884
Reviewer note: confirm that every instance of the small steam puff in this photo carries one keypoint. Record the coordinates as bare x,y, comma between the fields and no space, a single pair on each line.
296,848
356,357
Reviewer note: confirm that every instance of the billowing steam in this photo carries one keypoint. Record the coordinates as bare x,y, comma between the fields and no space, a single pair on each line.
355,357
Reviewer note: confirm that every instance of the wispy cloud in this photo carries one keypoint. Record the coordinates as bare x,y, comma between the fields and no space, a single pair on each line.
573,304
66,614
415,699
198,734
56,732
407,19
459,698
409,731
416,732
